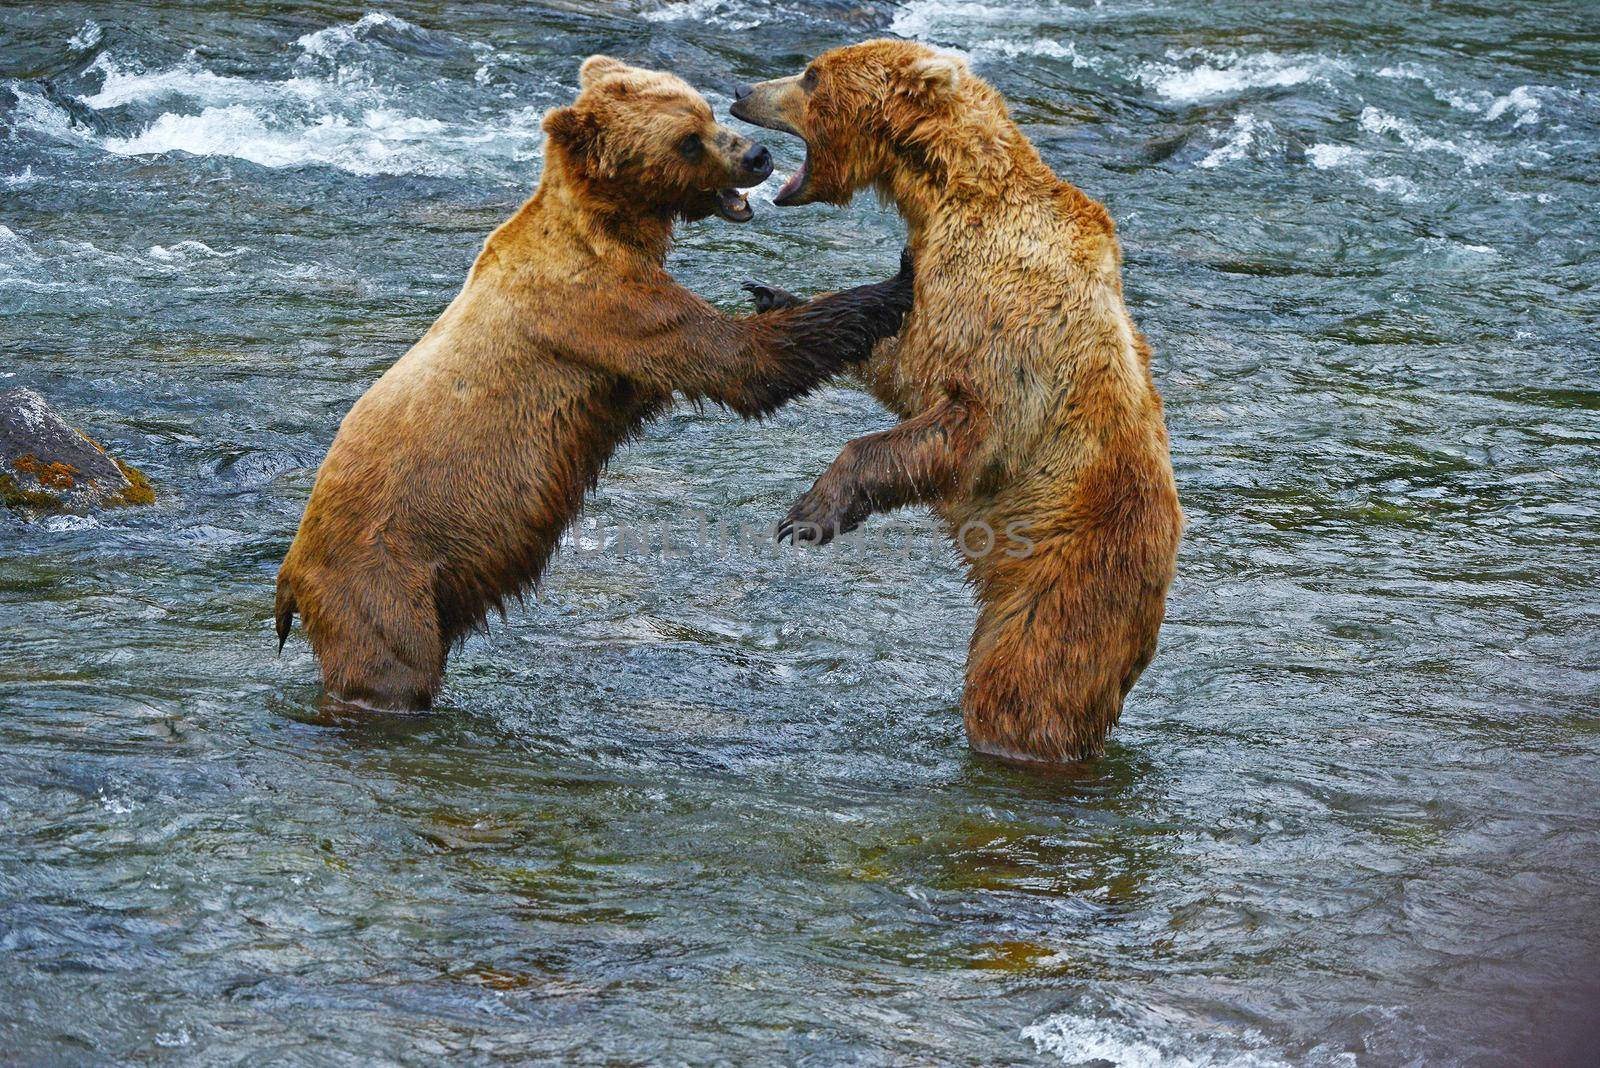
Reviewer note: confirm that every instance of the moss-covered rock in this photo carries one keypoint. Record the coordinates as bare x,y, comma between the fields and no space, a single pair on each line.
47,466
13,495
139,490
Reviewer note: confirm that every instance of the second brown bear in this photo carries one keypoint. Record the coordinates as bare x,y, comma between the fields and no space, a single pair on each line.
1022,384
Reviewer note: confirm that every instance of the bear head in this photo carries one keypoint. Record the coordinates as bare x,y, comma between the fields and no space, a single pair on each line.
869,110
644,141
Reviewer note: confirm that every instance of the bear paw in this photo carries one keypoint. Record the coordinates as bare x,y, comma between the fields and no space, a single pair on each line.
826,511
768,298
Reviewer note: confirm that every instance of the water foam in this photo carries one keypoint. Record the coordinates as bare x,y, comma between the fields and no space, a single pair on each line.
1156,1043
728,14
1037,46
186,251
1450,248
328,43
1326,157
1244,137
15,251
342,117
1523,101
1395,185
21,265
379,142
190,81
88,35
41,117
1186,76
1225,74
928,20
1520,100
57,263
1471,152
952,24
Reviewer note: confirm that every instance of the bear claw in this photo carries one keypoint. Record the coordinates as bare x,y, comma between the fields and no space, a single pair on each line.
768,298
816,520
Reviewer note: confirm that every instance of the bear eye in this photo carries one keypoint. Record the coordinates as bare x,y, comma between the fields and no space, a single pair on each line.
691,148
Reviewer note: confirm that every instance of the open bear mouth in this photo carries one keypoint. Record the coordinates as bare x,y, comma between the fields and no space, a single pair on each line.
733,205
796,183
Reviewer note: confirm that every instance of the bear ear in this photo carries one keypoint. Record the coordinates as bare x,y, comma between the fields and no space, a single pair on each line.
937,77
596,67
572,128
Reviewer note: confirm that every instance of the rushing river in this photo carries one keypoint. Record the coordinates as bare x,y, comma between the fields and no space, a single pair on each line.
715,805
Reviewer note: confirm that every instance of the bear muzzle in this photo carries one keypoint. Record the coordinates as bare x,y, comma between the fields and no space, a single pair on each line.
757,163
753,167
778,104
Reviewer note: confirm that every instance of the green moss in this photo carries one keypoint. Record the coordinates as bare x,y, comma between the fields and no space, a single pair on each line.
14,496
138,492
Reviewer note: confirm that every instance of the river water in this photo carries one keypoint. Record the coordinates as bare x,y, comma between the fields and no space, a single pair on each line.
715,804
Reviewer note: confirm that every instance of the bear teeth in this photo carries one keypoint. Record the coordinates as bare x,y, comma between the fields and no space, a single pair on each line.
733,205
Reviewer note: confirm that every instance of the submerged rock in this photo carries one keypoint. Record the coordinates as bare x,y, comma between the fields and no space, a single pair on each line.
47,466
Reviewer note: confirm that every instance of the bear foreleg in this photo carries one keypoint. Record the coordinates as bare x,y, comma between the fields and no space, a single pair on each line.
916,462
670,341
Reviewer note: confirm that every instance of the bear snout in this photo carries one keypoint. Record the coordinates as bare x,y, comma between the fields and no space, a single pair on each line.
757,162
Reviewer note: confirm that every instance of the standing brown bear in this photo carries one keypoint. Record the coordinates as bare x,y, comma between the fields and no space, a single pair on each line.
1022,381
451,480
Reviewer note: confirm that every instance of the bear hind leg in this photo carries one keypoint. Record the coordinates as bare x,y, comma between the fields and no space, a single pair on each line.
1051,661
380,646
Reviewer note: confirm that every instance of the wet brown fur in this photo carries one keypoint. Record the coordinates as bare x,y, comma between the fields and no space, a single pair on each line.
1024,385
451,480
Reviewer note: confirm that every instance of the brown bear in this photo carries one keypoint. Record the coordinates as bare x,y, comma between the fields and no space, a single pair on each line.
1031,422
451,480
